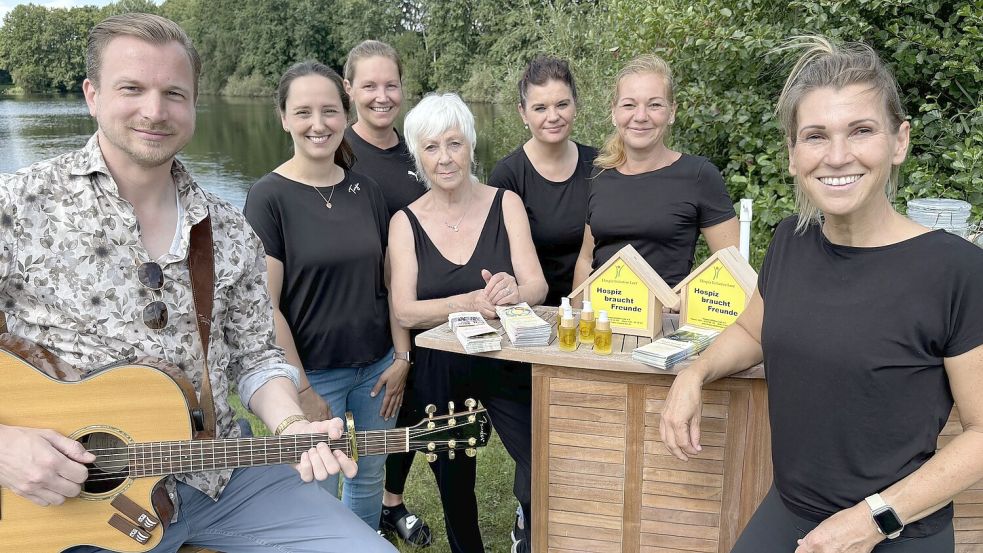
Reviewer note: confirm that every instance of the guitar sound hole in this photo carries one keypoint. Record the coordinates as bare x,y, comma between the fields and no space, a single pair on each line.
111,467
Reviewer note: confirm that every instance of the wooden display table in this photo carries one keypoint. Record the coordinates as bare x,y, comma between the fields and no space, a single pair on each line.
604,482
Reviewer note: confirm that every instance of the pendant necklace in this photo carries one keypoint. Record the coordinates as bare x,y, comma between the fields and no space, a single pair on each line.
327,201
457,227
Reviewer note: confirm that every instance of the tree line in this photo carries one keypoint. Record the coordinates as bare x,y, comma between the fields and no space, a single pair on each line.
722,53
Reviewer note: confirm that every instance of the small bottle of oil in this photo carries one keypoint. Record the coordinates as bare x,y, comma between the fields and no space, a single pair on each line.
566,332
564,304
602,334
587,324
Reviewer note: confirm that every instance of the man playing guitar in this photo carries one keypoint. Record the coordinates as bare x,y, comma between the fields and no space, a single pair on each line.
93,266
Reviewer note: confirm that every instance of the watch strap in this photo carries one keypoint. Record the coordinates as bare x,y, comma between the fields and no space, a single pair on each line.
875,502
404,355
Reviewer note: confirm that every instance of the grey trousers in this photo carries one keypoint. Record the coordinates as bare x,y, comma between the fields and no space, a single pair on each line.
773,528
267,510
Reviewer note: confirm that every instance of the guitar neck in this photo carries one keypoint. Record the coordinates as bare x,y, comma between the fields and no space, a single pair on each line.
164,458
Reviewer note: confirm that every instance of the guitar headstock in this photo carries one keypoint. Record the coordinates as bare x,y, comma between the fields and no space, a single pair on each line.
453,432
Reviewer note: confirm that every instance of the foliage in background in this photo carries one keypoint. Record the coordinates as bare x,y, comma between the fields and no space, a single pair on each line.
720,50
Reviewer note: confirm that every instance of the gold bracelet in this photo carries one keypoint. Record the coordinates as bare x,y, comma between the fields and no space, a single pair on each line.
287,422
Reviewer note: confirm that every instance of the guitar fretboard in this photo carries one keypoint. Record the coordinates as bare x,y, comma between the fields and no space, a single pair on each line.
163,458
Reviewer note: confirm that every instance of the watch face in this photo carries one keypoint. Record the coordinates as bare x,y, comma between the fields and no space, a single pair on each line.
887,520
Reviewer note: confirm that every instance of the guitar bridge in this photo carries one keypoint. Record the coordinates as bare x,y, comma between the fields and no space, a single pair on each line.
128,528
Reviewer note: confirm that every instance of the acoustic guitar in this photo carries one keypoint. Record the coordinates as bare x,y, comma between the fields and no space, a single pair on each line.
135,418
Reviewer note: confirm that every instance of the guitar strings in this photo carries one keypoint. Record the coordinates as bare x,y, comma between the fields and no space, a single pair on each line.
252,459
370,442
372,437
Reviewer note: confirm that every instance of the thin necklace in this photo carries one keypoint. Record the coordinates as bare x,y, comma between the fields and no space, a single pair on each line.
457,227
327,201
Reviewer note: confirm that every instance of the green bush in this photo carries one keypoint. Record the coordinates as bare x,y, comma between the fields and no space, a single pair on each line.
253,85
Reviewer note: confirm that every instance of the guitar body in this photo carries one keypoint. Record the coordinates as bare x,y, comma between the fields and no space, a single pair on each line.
136,419
133,403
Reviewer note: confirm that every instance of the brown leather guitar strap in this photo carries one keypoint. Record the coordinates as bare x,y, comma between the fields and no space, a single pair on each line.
201,265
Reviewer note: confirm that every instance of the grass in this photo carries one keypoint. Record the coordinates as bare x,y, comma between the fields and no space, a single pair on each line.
496,504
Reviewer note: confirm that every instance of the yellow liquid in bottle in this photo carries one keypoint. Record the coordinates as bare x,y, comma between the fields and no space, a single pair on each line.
602,342
587,331
567,338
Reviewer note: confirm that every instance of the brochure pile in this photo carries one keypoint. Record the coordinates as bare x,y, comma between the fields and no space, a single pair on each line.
523,325
665,352
474,333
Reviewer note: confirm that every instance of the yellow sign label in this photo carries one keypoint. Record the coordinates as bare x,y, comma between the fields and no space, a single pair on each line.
620,292
713,298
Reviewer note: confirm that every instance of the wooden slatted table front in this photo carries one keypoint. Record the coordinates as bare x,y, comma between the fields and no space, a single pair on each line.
604,482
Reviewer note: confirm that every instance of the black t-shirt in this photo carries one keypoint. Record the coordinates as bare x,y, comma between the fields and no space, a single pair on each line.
556,210
854,341
391,168
660,213
334,295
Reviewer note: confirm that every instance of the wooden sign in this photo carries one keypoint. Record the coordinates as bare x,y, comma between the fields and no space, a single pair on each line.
717,291
631,292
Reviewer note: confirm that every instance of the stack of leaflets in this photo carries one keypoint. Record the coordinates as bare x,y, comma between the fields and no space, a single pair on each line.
523,325
474,333
665,352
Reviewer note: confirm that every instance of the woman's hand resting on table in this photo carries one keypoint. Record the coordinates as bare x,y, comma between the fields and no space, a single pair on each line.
500,288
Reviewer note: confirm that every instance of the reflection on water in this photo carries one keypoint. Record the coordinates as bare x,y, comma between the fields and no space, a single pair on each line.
237,140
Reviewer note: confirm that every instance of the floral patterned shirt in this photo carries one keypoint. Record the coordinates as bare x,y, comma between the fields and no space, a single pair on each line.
69,251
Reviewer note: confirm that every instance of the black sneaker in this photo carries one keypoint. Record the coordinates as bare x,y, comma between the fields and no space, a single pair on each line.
409,528
517,526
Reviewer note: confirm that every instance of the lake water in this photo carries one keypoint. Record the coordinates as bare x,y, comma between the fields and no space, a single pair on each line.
237,140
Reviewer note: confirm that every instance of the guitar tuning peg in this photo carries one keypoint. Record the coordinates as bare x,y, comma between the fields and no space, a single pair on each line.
450,411
430,410
470,452
470,403
451,454
472,442
431,457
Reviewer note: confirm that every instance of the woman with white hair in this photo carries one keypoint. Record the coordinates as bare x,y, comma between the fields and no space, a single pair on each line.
463,246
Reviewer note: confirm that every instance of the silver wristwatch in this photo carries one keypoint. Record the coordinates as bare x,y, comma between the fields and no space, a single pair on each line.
885,518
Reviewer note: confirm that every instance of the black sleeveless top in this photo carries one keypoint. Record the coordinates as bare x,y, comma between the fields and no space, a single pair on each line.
441,376
439,278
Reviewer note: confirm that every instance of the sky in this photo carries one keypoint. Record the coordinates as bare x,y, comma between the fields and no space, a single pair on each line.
7,5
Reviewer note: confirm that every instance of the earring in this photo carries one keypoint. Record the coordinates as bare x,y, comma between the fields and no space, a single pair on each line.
526,126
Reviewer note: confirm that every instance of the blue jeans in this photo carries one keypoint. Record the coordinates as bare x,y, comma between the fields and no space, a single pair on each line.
347,389
265,510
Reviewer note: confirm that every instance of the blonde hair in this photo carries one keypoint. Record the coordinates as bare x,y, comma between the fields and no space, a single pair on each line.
824,64
147,27
612,154
370,49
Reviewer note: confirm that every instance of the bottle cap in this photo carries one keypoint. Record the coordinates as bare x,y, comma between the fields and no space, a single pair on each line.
587,307
602,320
564,302
567,319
